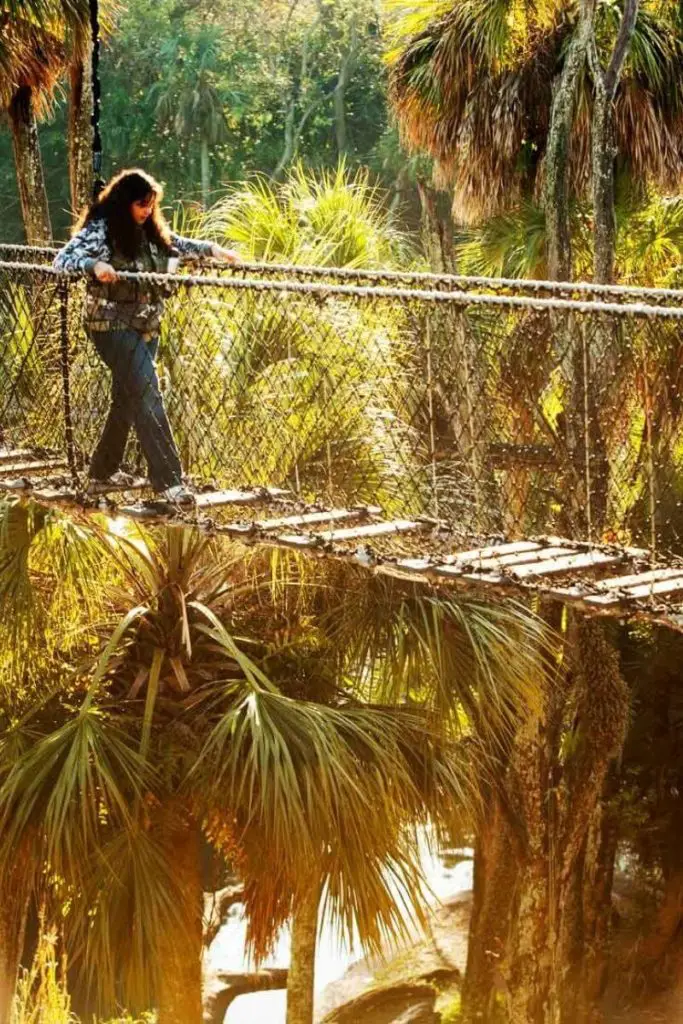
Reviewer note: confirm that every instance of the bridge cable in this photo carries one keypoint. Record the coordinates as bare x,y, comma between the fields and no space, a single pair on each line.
98,182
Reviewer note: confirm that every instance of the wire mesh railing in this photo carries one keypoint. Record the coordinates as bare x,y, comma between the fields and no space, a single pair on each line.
493,413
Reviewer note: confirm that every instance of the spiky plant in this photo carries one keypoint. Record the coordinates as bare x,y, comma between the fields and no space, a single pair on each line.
216,708
333,218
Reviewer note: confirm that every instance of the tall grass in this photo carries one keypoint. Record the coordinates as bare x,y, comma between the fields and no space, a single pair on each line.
42,996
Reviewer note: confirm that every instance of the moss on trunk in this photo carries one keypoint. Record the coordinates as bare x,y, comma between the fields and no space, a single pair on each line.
29,168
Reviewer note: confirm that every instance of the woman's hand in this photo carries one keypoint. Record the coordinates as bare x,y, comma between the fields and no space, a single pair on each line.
104,272
225,255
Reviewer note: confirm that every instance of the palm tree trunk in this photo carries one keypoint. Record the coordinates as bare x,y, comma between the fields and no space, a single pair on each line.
301,978
496,866
604,148
80,135
29,167
14,901
345,73
557,188
180,959
206,173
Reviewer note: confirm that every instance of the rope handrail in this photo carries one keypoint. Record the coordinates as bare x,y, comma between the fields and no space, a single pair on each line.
460,281
497,414
174,282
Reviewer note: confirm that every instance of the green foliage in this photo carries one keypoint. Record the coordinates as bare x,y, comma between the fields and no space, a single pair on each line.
649,241
451,1012
42,996
236,75
335,218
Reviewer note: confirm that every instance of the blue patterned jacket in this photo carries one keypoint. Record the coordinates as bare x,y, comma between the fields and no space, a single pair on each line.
123,304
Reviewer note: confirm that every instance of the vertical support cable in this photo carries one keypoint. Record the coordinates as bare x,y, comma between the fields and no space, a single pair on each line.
328,446
472,430
587,431
295,447
98,183
650,460
66,385
432,425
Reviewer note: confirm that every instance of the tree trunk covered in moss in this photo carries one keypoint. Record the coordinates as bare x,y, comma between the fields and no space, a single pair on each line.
29,168
180,978
601,704
557,165
496,860
79,135
437,229
556,896
301,978
603,142
532,935
586,946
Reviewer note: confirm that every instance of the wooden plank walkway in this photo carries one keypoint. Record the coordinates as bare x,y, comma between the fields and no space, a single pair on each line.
600,579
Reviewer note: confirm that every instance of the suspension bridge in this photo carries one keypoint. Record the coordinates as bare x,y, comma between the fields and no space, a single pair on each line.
498,436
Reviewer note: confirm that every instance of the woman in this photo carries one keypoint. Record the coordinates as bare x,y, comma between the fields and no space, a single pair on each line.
124,229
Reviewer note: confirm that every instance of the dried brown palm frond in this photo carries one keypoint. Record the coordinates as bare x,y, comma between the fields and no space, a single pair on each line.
474,90
36,59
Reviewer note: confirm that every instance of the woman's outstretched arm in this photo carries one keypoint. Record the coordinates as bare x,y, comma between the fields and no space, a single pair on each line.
195,248
88,247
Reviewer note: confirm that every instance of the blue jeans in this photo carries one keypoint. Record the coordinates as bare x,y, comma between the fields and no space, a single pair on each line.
135,402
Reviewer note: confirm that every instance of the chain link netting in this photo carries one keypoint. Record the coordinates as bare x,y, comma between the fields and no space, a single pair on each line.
494,414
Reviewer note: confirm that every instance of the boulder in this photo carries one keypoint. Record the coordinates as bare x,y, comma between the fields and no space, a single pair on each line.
395,1004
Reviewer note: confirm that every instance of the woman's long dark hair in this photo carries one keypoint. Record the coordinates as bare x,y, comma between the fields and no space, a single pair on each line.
113,205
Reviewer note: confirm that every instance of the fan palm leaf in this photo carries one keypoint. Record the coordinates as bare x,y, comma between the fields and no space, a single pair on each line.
473,88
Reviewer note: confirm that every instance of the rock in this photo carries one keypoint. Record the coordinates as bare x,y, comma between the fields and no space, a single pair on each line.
416,1015
439,957
396,1004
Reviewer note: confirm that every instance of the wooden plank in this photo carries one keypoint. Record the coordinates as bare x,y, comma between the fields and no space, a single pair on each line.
524,557
160,508
309,540
636,578
20,468
138,483
215,499
587,546
567,563
454,565
54,494
17,484
416,564
373,530
634,593
493,551
305,519
15,454
481,568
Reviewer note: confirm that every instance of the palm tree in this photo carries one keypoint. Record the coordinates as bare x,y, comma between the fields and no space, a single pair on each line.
185,734
24,94
36,545
40,40
472,85
649,243
193,103
330,218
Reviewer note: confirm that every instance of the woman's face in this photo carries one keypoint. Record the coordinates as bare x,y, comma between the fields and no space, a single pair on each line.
142,209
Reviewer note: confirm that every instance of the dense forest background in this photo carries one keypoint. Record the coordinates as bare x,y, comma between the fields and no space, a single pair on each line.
205,94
